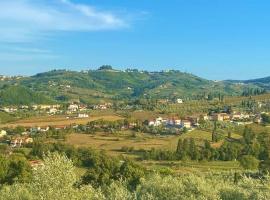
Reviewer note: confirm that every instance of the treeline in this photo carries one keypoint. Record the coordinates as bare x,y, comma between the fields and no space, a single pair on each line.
253,92
101,168
251,151
57,180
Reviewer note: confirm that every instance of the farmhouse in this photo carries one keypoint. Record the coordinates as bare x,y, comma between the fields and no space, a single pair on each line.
73,107
83,115
3,133
186,123
19,141
180,101
221,117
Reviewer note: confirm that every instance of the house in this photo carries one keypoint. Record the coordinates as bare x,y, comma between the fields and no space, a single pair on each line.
3,133
186,124
73,107
19,141
52,110
180,101
177,122
194,119
257,119
83,115
59,127
44,129
36,163
82,107
156,122
225,116
24,107
132,124
221,117
239,116
236,116
151,123
217,117
9,109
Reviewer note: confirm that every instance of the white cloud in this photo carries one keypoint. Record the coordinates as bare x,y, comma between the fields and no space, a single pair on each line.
25,20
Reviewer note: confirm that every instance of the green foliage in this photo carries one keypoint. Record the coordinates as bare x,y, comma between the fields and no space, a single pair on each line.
249,162
106,83
56,180
20,95
14,169
265,118
101,169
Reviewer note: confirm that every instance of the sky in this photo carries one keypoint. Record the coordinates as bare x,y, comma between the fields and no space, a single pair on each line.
214,39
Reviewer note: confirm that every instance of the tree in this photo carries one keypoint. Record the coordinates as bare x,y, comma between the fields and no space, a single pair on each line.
105,67
265,118
193,151
229,134
249,162
214,132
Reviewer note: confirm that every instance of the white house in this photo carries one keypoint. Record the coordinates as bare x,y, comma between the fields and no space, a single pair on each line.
186,123
3,133
179,101
52,110
83,115
73,107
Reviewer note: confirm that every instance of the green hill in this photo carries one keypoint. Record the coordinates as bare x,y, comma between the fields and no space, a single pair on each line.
20,95
109,84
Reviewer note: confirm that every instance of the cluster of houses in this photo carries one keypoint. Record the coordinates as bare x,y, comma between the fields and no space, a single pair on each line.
193,121
172,122
17,141
20,141
56,108
104,106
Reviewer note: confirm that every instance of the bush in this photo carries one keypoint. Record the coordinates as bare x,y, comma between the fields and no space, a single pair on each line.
249,162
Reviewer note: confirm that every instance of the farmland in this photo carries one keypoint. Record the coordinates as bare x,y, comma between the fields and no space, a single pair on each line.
113,145
61,120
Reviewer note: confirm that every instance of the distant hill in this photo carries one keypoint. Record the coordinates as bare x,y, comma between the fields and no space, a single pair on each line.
260,82
108,84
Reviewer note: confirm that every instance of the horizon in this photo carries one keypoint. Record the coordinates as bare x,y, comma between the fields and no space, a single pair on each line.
215,40
123,70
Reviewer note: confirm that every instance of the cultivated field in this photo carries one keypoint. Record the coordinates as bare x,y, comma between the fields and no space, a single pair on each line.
57,121
113,143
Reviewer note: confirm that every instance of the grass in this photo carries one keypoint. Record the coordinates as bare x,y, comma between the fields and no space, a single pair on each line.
193,166
200,136
113,143
58,120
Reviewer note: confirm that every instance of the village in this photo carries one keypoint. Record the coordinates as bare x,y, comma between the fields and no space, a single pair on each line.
80,111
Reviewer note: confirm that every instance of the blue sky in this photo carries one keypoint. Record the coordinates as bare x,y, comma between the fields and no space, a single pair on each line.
215,39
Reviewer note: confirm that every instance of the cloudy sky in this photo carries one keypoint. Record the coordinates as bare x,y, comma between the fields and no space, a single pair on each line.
215,39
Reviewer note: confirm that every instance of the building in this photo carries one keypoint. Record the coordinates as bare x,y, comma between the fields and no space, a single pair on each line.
3,133
156,122
36,163
257,119
83,115
52,110
186,124
9,109
180,101
73,107
20,141
221,117
225,116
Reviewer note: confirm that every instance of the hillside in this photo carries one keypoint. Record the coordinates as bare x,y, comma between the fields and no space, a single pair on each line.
108,84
